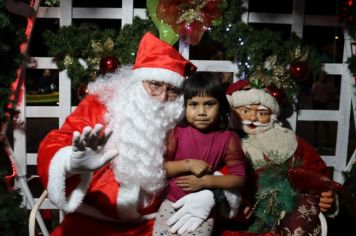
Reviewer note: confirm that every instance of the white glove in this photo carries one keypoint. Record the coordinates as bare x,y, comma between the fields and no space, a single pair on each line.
194,209
87,150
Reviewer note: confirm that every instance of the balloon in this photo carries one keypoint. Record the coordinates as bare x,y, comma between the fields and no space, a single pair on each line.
166,33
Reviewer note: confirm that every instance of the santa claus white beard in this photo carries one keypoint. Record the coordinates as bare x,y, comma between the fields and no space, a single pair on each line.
259,127
140,124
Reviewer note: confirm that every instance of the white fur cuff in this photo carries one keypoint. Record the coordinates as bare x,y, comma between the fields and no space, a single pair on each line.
234,200
57,182
127,203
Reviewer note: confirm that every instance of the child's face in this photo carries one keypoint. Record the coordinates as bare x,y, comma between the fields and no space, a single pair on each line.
202,112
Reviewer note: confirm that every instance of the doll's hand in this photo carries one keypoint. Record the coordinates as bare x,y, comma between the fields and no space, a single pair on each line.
247,212
190,183
326,201
87,150
198,167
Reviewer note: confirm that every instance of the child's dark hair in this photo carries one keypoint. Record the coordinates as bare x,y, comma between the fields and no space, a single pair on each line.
206,84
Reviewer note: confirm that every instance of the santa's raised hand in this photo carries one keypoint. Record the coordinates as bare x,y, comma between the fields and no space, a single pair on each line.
87,152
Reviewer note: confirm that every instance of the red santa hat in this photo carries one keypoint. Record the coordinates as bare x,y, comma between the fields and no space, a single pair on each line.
159,61
240,93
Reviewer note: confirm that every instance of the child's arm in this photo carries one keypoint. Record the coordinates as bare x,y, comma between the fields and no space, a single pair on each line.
235,162
191,183
196,167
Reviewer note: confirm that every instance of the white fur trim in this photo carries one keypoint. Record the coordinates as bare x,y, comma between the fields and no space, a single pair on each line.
57,182
279,141
234,200
253,96
127,203
324,224
158,74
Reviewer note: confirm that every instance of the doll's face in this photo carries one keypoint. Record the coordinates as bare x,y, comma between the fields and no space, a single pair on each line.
202,112
254,118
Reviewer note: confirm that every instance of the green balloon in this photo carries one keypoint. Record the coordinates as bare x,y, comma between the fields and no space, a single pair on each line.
166,33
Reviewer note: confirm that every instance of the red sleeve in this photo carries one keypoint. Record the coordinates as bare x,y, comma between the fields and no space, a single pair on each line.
235,158
311,158
88,113
171,145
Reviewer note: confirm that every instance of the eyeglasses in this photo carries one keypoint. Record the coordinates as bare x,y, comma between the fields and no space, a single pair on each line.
157,88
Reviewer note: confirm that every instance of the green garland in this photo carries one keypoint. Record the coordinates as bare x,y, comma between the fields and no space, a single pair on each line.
246,45
73,42
274,198
11,37
242,43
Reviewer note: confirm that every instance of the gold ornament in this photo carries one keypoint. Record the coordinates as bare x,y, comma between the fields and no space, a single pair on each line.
68,61
94,61
299,54
100,48
192,12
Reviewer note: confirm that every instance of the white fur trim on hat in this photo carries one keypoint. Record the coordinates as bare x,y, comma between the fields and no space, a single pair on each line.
158,74
253,96
57,183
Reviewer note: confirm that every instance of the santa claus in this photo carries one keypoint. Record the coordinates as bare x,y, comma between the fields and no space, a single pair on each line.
266,143
104,166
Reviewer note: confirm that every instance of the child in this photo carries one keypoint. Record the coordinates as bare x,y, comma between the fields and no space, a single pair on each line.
198,147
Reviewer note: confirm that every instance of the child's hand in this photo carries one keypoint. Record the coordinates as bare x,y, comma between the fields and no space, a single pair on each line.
190,183
198,167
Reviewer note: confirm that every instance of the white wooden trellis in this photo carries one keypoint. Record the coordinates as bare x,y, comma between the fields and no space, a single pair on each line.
297,19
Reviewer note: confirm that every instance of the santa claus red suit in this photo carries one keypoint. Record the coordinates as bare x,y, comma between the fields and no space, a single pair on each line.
120,197
267,143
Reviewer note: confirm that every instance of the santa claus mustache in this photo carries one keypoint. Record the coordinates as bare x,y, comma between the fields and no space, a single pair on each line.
255,123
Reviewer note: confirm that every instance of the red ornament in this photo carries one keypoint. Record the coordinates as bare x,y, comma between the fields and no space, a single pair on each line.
277,93
82,91
299,71
109,64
